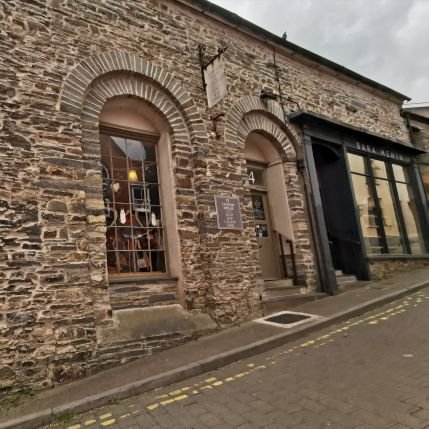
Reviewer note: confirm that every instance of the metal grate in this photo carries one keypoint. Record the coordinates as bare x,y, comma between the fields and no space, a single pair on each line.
287,318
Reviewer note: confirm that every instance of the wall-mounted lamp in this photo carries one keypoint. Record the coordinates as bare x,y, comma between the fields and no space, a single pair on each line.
300,164
132,175
267,95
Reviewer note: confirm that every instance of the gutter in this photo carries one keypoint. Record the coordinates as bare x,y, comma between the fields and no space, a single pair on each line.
414,116
235,21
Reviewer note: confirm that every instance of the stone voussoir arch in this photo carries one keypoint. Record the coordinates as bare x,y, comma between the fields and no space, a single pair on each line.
86,89
82,77
251,114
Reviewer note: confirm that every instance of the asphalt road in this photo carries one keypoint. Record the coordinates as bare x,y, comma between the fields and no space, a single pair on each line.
370,372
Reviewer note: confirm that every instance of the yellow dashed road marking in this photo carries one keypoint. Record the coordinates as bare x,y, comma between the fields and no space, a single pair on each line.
163,396
105,416
206,387
181,397
167,401
90,422
108,422
74,427
152,407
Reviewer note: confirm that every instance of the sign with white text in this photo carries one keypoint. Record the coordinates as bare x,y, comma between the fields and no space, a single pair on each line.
228,213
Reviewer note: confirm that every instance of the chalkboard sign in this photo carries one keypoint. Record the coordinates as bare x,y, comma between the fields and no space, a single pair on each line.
228,213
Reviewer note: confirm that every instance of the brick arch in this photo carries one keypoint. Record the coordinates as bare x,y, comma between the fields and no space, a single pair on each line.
81,78
250,114
119,84
86,90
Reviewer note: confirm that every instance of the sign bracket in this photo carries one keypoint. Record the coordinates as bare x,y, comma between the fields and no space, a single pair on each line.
205,60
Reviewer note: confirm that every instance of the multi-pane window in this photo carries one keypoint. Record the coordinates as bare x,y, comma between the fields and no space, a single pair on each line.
133,209
387,209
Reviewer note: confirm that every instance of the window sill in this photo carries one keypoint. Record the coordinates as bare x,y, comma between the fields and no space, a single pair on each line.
149,278
404,256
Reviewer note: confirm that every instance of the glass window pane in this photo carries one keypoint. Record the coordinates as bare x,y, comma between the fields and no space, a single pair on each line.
150,152
399,173
370,224
378,168
409,212
118,147
258,207
256,176
150,172
395,242
135,150
356,163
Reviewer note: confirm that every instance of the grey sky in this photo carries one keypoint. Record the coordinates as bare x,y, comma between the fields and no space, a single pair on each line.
385,40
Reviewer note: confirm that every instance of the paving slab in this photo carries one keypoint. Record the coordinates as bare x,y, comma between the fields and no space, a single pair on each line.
204,354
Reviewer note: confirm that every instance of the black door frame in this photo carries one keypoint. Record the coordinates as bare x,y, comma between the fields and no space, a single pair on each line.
316,128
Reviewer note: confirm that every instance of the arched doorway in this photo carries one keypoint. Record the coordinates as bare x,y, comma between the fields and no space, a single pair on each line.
273,228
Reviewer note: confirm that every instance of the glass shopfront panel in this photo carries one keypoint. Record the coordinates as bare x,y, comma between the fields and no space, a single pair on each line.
409,209
387,209
394,239
367,214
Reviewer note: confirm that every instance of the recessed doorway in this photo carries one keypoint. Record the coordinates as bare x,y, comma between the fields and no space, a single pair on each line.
273,229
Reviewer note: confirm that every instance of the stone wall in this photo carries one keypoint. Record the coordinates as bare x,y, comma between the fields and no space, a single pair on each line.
384,268
54,293
421,140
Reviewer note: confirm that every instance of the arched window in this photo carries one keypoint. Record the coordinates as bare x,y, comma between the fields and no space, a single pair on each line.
134,209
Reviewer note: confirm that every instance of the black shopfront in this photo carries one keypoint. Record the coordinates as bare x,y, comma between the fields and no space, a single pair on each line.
367,197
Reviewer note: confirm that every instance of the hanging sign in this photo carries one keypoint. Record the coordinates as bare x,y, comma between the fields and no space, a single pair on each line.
228,212
214,77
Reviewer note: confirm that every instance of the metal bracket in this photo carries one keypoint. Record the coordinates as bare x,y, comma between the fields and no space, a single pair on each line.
205,60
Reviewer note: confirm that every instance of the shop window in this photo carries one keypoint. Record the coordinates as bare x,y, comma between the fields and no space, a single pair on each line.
408,209
133,207
387,209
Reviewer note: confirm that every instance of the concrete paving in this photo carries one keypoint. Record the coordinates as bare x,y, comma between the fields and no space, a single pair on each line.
203,355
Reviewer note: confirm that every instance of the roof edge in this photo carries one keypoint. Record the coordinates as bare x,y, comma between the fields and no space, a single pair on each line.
415,116
237,21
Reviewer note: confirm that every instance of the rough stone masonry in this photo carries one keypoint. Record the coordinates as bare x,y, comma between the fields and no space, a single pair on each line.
60,60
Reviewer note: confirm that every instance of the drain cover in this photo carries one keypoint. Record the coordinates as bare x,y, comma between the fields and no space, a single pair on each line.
288,319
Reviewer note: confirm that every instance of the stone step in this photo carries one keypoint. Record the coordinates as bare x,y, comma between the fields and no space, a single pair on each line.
268,284
272,292
352,285
339,272
286,302
346,279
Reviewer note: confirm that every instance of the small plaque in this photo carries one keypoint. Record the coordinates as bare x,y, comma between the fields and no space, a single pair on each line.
228,213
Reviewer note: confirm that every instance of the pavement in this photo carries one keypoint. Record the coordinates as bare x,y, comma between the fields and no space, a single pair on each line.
203,355
370,372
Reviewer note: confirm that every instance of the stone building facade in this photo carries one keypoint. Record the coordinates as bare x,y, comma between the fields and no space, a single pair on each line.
76,72
418,119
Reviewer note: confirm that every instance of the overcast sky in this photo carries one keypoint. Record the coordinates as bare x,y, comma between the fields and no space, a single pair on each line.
385,40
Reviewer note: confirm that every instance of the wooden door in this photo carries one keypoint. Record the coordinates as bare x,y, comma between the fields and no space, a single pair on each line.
268,254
